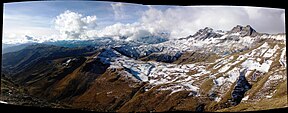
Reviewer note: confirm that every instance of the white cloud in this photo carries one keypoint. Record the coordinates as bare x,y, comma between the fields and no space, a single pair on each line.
283,20
18,34
253,12
269,20
179,21
71,24
68,26
118,9
128,30
18,38
16,26
184,21
283,17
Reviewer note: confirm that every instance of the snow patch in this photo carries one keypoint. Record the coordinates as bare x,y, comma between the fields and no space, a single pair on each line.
269,53
3,102
180,87
231,58
248,72
283,58
245,98
218,99
219,64
219,81
250,64
67,62
232,77
275,77
265,45
278,37
233,74
225,68
240,58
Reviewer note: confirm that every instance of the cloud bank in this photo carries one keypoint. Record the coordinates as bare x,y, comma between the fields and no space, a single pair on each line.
183,21
72,24
174,21
118,9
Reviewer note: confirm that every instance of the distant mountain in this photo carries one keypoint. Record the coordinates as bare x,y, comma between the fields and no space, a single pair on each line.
6,48
152,39
211,70
206,33
15,62
244,31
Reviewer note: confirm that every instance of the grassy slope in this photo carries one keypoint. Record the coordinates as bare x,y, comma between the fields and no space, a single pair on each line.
278,100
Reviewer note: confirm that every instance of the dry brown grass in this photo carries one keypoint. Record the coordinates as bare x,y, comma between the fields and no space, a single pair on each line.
264,104
188,104
192,72
281,90
63,83
279,99
210,67
235,56
276,64
107,93
206,86
249,77
257,85
194,57
145,102
271,44
236,65
213,106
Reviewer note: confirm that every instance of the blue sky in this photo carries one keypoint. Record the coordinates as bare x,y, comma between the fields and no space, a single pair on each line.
37,19
47,10
28,18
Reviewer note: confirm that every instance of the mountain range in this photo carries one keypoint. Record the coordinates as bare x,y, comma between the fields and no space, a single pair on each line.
236,70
